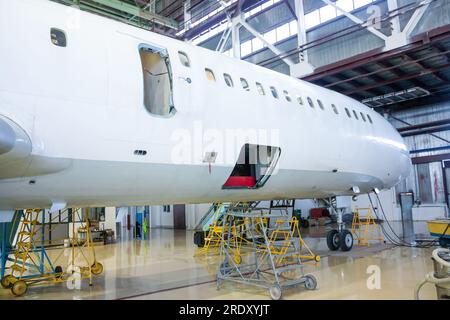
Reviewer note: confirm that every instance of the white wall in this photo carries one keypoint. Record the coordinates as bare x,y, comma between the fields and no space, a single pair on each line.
388,202
159,218
110,219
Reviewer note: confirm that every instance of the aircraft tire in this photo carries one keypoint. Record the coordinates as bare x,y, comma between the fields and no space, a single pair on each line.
346,240
333,240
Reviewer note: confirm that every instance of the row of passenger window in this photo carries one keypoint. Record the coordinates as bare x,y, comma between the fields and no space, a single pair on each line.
260,89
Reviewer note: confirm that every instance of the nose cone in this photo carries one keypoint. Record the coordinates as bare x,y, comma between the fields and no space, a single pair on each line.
7,137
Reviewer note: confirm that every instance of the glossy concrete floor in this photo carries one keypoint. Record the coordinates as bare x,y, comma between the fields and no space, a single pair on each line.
164,267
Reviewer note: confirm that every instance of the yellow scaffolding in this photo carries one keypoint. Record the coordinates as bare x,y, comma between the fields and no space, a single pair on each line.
365,227
31,265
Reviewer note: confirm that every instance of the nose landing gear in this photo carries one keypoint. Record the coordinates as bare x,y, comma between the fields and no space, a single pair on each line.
339,239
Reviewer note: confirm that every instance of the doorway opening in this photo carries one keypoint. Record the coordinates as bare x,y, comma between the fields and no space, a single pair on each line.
158,81
254,167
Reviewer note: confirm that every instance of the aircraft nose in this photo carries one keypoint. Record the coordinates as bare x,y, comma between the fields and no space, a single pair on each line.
7,137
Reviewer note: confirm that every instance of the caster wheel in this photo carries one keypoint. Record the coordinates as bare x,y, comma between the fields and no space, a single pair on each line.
58,272
317,258
97,268
333,240
310,282
8,281
275,292
19,288
346,239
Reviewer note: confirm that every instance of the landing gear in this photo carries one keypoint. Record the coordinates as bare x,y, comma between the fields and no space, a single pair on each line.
333,240
346,240
342,240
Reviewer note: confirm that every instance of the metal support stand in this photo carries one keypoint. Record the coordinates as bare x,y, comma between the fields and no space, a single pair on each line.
272,261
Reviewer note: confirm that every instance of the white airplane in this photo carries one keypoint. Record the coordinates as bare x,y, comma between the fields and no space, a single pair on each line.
94,112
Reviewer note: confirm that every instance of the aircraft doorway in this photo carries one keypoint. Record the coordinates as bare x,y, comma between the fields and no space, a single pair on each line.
254,167
158,81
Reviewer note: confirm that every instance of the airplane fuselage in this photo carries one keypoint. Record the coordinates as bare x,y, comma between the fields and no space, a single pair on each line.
76,126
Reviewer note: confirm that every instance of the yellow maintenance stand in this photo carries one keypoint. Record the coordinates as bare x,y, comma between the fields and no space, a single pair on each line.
29,263
365,227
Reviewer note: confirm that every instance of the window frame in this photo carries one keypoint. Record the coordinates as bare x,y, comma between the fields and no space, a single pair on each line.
209,71
260,89
311,102
363,116
287,96
320,103
188,60
347,111
274,92
335,109
228,76
247,87
61,32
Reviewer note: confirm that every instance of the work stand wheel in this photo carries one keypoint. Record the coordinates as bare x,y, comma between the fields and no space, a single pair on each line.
8,281
97,268
310,282
19,288
333,240
58,272
346,240
275,292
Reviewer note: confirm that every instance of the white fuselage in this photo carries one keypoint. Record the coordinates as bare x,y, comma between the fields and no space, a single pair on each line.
73,117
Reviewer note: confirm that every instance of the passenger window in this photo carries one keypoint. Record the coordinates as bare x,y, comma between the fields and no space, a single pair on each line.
320,104
287,96
245,85
274,92
300,100
228,80
184,59
58,37
370,119
363,117
348,113
311,103
355,114
335,109
210,75
260,89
